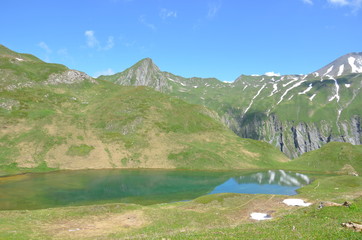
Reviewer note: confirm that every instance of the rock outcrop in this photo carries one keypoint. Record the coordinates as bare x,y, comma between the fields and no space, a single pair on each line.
68,77
294,138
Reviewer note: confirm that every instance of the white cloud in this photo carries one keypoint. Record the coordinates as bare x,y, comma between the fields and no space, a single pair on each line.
355,5
110,43
63,52
272,74
142,20
214,8
108,71
339,2
310,2
92,41
65,56
165,13
45,47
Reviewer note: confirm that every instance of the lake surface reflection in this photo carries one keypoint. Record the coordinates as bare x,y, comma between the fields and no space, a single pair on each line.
70,188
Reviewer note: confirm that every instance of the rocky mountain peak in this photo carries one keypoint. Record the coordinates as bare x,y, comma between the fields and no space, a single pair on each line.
143,73
146,64
347,64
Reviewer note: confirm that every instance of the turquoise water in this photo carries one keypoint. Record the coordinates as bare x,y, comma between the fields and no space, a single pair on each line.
73,188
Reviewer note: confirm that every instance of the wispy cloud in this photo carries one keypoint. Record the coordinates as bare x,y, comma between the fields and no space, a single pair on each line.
310,2
45,47
166,13
63,52
339,2
142,19
92,41
355,5
110,43
108,71
214,8
64,55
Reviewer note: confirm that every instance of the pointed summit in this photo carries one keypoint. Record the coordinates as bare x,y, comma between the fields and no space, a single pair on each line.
347,64
143,73
147,63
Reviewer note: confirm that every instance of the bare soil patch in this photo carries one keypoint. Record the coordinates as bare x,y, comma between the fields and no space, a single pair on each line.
93,226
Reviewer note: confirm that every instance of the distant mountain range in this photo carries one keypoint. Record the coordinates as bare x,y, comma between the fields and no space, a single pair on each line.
296,113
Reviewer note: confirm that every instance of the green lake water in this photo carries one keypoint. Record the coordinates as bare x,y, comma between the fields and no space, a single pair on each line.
74,188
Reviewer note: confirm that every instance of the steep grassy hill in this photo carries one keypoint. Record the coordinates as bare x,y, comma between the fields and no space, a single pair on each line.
53,117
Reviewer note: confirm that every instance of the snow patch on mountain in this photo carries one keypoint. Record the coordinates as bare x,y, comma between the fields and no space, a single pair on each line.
294,80
275,89
347,85
311,98
337,91
286,92
306,90
329,70
355,68
19,59
341,69
252,100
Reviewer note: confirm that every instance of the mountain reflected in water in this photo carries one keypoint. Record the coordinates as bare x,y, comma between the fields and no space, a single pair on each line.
268,182
279,177
72,188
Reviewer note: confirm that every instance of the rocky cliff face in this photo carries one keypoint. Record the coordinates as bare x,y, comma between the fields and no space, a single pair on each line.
295,138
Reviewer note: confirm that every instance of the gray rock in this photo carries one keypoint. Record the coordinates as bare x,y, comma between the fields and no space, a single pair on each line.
68,77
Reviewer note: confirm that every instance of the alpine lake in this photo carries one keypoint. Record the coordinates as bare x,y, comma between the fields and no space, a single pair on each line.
86,187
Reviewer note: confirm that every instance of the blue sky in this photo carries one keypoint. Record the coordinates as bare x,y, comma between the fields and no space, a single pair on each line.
204,38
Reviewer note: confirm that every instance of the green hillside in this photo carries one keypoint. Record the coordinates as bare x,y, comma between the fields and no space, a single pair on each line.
333,157
67,120
295,113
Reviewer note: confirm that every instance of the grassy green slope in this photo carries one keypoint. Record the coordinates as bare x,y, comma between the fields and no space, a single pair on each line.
102,125
19,69
290,98
332,157
122,127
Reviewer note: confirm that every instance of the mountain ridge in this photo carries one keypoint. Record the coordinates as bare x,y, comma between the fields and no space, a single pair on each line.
282,110
346,64
52,117
354,66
